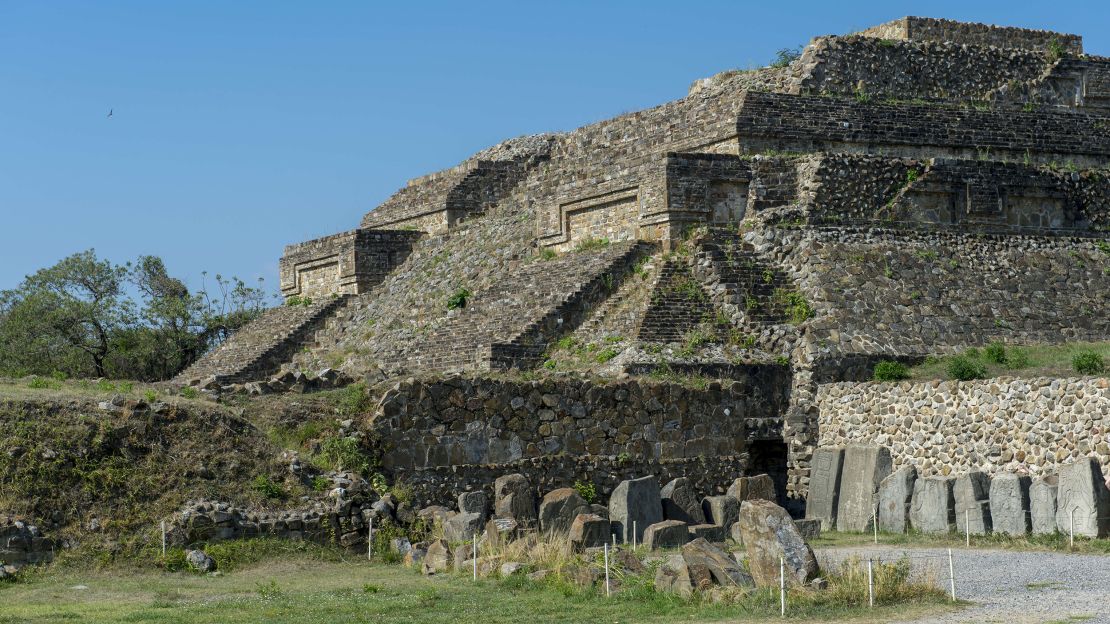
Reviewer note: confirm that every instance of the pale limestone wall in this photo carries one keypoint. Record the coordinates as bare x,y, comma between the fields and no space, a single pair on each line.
950,427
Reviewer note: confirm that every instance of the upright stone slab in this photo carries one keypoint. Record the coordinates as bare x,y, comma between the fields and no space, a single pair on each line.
824,486
514,498
865,467
932,509
680,502
971,493
473,502
895,495
1009,496
721,510
635,503
1082,500
1042,504
559,508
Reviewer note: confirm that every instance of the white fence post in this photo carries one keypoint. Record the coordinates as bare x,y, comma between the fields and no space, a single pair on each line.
782,586
870,584
606,570
370,541
875,523
163,539
952,575
967,527
474,554
1071,528
633,534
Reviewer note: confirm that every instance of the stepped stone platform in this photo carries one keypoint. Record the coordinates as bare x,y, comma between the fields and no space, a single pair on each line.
913,189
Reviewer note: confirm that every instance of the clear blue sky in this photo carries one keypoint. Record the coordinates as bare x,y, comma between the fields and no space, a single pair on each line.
239,127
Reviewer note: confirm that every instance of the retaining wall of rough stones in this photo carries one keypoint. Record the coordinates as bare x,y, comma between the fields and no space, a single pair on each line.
933,29
22,544
883,68
992,425
466,422
798,123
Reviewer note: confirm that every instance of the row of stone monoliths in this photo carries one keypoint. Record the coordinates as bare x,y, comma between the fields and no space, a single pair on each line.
852,488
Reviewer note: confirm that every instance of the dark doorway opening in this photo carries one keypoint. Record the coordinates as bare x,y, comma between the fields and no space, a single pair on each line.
769,457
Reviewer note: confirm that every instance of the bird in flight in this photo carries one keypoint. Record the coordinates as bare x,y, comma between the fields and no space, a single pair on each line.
110,110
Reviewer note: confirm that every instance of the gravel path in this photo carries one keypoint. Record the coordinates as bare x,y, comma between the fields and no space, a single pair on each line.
1007,587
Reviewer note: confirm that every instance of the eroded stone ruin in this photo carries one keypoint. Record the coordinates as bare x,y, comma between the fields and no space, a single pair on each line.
541,308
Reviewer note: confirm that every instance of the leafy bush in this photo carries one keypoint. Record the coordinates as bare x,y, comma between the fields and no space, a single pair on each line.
1017,359
1088,363
995,352
344,453
964,368
458,300
606,354
190,392
297,300
795,305
266,487
786,56
354,400
888,370
591,244
586,490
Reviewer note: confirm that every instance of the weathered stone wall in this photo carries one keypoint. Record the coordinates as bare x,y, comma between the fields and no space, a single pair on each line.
897,293
969,195
933,29
992,425
348,263
22,544
781,122
884,68
459,422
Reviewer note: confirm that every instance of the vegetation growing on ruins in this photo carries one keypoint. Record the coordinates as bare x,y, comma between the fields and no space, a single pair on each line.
999,359
888,370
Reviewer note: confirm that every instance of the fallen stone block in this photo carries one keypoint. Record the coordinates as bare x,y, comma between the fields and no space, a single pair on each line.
473,502
810,529
824,486
1082,500
895,495
971,494
747,488
462,527
680,502
724,569
1042,504
1009,497
770,537
865,467
721,510
666,534
674,577
589,530
559,508
712,532
437,558
635,504
932,509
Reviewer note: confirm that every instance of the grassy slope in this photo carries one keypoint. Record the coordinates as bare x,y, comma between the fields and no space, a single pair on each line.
1044,361
313,589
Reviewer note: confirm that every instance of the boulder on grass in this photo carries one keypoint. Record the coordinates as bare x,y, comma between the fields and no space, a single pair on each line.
724,568
200,561
674,577
666,534
559,508
589,530
770,534
680,502
635,503
438,558
462,527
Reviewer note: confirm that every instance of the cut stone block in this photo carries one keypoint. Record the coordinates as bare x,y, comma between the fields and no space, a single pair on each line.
770,537
674,577
1082,500
1042,504
932,509
711,532
757,487
971,494
895,496
589,531
680,502
865,467
810,529
824,485
635,503
473,502
721,510
462,527
1009,496
514,498
666,534
559,508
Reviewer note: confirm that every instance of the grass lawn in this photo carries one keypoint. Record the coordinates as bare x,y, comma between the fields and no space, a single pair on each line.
306,590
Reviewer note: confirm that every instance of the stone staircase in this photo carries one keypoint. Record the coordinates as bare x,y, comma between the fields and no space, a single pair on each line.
510,324
678,303
259,349
743,283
